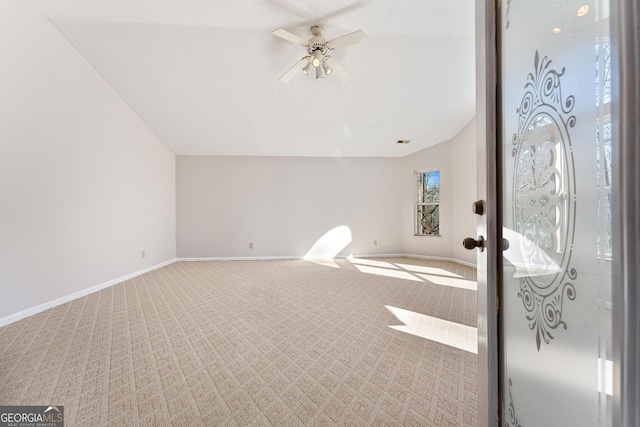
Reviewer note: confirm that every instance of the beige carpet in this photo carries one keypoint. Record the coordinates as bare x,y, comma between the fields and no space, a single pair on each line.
255,343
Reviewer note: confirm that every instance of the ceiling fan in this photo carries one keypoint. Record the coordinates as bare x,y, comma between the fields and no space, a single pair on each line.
318,59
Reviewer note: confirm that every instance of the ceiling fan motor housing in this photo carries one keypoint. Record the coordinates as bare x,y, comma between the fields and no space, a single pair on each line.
317,43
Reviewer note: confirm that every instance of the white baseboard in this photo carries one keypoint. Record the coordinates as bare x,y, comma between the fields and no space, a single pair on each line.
244,258
376,256
283,257
59,301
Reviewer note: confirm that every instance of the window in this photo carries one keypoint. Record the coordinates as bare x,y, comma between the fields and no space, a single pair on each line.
604,149
428,203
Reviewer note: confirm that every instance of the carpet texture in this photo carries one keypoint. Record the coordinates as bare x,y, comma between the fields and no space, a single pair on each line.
291,343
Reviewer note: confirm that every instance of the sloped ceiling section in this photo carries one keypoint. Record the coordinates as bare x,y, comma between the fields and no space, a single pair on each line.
204,74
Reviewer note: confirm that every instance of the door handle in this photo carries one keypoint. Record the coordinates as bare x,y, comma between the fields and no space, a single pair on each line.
471,243
478,207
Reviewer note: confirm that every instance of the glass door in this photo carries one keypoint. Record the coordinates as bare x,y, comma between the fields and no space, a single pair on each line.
554,143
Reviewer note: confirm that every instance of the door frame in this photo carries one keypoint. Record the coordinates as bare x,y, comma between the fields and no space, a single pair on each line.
625,37
487,224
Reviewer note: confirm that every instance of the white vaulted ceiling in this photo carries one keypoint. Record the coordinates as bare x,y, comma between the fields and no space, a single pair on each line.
203,74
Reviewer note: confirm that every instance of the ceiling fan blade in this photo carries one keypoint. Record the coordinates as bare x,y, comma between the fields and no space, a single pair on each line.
309,17
288,7
342,11
347,40
343,75
282,33
286,77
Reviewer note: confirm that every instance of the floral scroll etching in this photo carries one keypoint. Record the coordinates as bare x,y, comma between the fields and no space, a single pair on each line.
544,199
510,417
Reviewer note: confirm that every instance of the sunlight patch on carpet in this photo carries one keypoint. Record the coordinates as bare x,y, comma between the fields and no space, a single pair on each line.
398,274
445,332
371,262
429,270
450,281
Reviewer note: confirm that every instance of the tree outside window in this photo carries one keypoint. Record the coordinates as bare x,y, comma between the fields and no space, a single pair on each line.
604,171
427,203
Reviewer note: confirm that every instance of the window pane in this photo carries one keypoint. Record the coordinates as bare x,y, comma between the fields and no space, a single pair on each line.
419,185
603,147
428,219
603,175
429,187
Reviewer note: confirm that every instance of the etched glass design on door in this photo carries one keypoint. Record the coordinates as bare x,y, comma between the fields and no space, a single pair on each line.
556,212
543,200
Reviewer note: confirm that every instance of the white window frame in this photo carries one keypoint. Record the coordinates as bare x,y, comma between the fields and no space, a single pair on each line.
417,204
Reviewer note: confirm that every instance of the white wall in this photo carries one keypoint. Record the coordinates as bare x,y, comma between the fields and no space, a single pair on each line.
456,160
285,204
463,156
85,186
432,158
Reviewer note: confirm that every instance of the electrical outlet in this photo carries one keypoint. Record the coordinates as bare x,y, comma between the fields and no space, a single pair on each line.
142,254
250,245
375,243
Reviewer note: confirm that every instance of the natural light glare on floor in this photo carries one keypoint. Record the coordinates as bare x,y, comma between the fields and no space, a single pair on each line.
398,274
429,270
415,273
450,281
371,262
434,329
327,262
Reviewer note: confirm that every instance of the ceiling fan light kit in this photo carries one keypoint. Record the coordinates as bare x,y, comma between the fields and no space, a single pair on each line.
317,50
327,69
307,68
